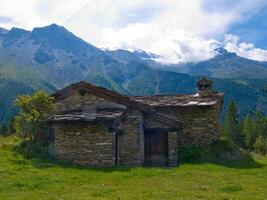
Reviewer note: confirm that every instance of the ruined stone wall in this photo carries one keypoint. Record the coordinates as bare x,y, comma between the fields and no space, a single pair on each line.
130,139
85,144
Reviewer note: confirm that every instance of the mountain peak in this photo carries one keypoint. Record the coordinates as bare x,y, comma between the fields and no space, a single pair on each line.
15,30
52,28
50,32
220,51
53,25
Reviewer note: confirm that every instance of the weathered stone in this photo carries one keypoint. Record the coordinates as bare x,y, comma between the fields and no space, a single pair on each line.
172,145
119,140
95,146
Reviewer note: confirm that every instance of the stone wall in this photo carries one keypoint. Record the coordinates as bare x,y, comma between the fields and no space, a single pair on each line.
201,124
172,148
76,101
150,122
130,139
86,101
88,144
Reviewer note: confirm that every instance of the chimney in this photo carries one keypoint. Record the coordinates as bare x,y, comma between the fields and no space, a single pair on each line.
205,87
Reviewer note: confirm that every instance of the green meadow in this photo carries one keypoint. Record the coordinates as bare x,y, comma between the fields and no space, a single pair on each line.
24,178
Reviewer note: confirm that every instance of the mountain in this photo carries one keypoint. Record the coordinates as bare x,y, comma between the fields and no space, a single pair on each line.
229,65
51,57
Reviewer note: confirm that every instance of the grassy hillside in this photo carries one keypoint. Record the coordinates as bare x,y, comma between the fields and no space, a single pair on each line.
10,89
16,79
23,178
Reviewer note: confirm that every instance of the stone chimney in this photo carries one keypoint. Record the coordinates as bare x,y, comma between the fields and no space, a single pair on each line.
205,87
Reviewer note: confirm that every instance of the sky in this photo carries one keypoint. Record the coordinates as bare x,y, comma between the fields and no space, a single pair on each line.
179,31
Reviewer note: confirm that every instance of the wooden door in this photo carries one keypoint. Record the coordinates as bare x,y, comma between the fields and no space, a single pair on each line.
156,147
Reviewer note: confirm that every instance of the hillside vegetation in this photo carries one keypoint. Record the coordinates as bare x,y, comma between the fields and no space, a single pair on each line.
51,57
24,178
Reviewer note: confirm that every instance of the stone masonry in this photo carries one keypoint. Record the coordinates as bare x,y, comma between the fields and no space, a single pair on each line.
96,127
91,145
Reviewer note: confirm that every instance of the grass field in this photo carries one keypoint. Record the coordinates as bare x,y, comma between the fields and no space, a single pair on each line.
33,179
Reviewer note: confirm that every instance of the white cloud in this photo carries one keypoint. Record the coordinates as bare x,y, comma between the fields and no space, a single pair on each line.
243,49
174,46
178,30
180,33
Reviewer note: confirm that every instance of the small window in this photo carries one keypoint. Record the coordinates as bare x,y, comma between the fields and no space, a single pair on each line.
82,92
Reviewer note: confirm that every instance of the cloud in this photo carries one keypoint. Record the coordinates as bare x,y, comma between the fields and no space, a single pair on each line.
183,31
247,50
188,16
173,46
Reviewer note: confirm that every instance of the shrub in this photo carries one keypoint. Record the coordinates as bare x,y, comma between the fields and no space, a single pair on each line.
32,149
210,153
192,153
33,112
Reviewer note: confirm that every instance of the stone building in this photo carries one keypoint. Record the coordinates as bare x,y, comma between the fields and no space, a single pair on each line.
94,126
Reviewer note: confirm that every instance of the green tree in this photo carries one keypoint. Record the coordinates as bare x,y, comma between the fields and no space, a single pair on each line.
231,127
3,129
261,124
33,111
249,132
11,127
260,145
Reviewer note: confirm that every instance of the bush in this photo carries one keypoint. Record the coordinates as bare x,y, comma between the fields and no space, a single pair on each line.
32,149
210,153
192,153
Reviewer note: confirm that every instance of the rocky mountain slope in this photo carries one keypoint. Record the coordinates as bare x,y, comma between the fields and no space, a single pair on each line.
229,65
51,57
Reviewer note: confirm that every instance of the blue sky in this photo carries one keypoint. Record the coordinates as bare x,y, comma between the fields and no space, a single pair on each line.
253,29
177,30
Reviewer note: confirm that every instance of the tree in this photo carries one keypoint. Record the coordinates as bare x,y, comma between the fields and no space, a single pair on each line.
33,111
3,129
249,132
231,128
260,145
11,127
261,124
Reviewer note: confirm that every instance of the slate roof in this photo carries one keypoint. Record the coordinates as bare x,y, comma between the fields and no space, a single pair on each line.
143,103
179,100
86,117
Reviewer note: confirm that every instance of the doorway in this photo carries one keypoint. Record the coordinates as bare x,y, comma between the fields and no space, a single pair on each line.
156,147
